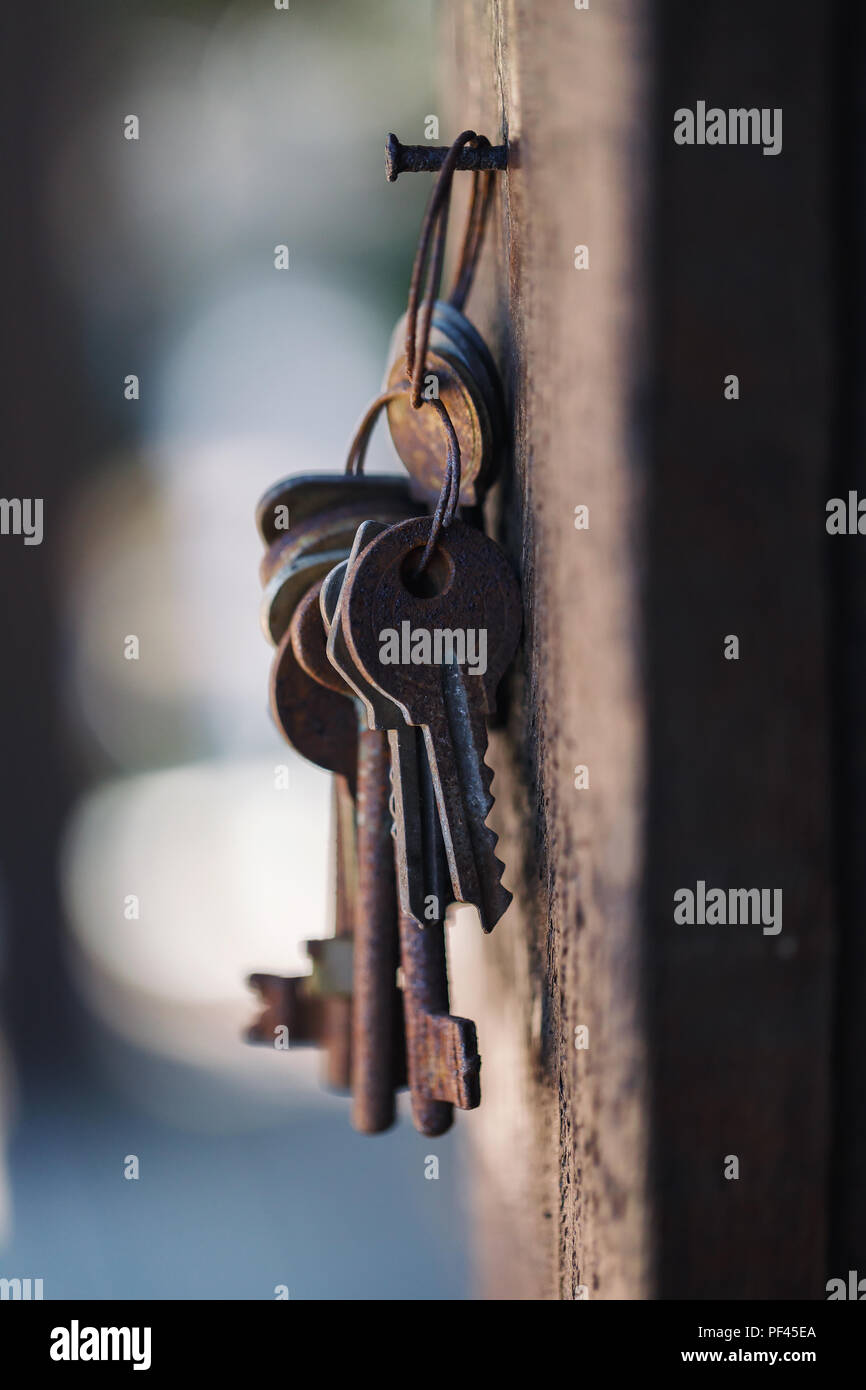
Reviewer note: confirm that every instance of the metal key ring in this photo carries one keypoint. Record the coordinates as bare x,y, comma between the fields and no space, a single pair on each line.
434,230
449,495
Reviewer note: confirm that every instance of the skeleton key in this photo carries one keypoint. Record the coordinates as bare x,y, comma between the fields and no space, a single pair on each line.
316,1009
374,1024
378,1048
285,1003
375,1010
329,956
442,1050
467,592
322,725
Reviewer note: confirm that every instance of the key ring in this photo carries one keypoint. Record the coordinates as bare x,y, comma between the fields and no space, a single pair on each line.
431,244
433,233
446,506
473,234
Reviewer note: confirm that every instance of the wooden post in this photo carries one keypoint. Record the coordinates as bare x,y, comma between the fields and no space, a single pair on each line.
606,1170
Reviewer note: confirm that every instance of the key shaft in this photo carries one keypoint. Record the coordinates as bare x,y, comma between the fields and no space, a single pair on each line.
374,992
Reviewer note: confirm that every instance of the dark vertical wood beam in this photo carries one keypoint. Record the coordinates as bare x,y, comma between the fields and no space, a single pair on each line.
847,563
740,785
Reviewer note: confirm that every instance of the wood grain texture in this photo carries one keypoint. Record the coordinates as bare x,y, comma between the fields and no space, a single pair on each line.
563,1133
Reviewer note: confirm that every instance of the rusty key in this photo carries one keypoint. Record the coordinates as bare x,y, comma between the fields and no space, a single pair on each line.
374,978
303,495
469,594
322,726
378,1050
307,637
332,956
286,1004
442,1050
418,855
316,1008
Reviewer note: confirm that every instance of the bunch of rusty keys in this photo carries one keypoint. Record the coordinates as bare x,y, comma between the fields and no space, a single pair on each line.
306,523
441,1050
439,803
435,718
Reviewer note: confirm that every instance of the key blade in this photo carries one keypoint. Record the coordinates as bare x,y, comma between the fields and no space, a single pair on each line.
436,872
456,740
416,831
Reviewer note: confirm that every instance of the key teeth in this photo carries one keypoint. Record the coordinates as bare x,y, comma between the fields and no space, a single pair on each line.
498,899
481,741
487,775
501,898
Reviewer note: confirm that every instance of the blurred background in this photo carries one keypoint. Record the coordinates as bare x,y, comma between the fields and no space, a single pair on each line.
147,786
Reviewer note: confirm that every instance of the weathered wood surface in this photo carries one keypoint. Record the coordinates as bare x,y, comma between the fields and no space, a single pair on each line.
563,1132
602,1169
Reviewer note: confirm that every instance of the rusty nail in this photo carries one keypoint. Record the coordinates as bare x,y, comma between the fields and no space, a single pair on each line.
428,159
